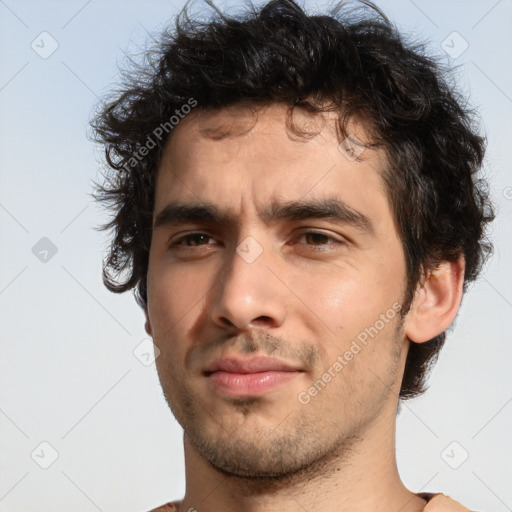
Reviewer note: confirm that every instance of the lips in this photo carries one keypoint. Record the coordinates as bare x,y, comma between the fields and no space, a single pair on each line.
253,376
250,365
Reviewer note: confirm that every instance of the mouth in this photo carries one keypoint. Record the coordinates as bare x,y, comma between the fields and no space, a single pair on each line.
249,384
254,376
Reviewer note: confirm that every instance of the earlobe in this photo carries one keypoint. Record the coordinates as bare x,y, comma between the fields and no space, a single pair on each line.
147,324
436,302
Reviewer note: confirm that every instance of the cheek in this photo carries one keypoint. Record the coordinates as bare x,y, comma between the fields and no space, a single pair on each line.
173,294
342,299
377,290
349,304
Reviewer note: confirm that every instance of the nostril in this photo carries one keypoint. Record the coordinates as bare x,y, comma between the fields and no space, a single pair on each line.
227,322
262,321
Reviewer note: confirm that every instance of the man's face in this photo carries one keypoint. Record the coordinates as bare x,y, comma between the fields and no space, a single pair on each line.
289,283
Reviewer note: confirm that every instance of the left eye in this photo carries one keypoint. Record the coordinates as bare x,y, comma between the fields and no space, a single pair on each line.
318,239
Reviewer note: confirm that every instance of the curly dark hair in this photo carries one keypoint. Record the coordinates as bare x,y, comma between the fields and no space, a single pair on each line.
350,61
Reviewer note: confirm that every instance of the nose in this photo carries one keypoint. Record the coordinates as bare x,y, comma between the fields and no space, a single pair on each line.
248,293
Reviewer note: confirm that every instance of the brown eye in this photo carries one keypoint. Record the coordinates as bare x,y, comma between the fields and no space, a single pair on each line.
191,240
320,240
316,238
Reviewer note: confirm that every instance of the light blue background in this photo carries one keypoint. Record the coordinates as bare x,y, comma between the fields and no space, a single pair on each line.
68,375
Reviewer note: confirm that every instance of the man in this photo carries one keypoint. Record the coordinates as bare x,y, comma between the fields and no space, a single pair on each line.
294,202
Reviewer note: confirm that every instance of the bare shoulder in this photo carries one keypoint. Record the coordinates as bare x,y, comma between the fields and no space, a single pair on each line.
443,503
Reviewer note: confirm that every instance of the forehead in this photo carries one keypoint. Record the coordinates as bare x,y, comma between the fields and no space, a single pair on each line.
236,155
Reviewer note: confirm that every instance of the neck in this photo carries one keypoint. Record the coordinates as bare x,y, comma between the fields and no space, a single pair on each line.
365,475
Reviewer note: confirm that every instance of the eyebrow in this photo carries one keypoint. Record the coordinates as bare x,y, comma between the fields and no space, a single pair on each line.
329,209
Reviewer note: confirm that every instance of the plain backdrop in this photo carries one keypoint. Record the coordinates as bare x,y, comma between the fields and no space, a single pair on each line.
83,422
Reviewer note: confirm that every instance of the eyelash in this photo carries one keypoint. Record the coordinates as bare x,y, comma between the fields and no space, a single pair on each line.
318,248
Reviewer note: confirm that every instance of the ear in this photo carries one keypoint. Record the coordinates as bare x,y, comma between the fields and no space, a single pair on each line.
436,302
147,324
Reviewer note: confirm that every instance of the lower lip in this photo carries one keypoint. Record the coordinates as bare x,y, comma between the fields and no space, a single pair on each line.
250,384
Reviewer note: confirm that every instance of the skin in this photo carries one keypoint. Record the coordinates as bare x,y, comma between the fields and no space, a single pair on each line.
304,300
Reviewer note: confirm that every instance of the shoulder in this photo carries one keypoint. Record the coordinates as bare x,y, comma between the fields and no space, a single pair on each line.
442,503
170,507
